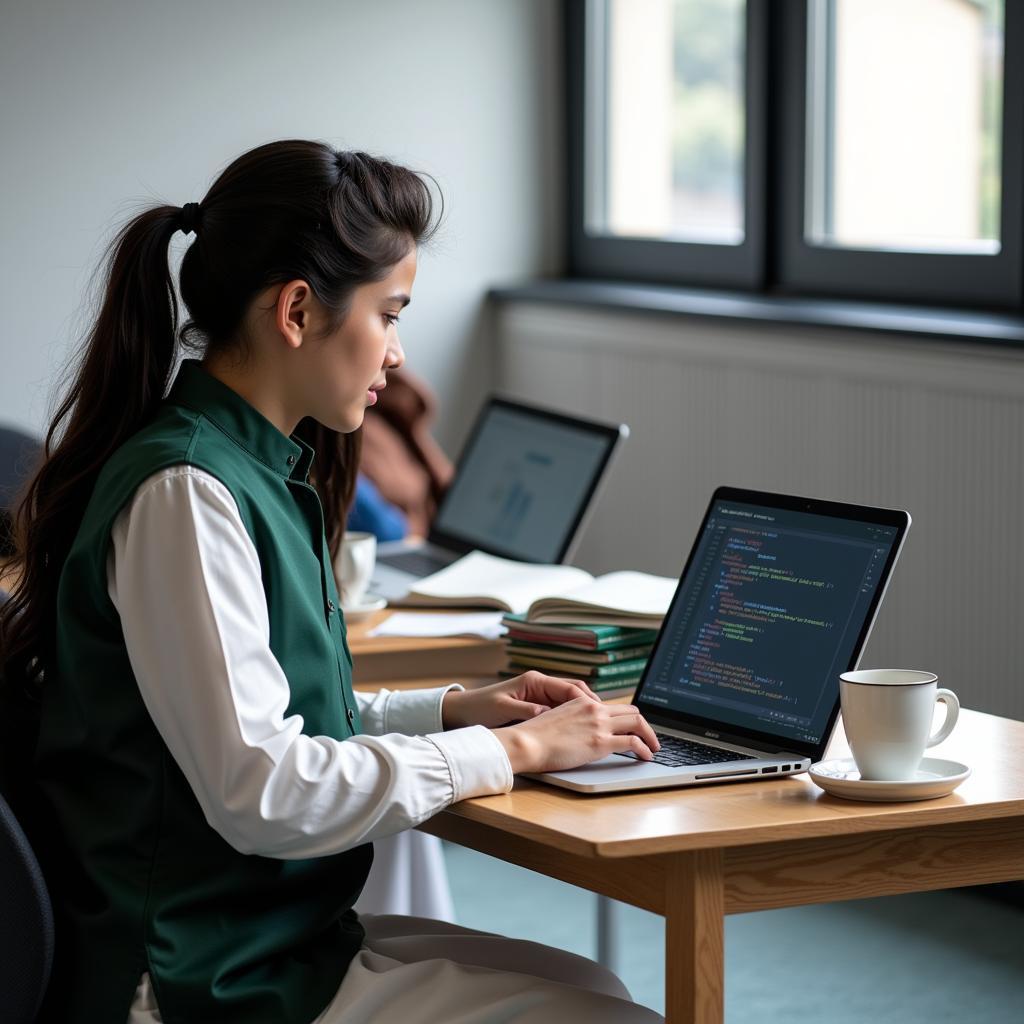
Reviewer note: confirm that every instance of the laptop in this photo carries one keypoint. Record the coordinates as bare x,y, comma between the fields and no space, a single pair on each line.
777,598
521,490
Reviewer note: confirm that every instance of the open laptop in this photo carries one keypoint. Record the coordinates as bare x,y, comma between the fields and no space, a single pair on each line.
522,486
777,598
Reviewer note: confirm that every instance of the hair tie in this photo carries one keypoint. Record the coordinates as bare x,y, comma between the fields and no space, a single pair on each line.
344,161
188,219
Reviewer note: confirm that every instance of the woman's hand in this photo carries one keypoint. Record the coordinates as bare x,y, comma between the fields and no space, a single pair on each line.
514,700
575,734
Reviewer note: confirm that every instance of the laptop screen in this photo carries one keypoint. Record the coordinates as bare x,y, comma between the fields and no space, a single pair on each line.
775,602
523,482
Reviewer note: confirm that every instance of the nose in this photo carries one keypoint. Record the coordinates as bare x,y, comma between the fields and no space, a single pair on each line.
395,354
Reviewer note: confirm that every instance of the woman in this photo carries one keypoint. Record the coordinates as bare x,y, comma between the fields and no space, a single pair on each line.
211,781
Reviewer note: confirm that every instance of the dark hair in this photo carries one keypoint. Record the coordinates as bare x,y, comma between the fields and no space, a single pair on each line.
284,211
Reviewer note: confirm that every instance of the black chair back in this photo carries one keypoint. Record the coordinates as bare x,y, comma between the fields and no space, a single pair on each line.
26,925
19,455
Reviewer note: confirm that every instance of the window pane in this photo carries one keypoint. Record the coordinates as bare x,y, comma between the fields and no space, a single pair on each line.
665,125
905,123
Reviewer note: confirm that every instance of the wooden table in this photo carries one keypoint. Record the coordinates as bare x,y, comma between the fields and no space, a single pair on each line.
411,662
697,854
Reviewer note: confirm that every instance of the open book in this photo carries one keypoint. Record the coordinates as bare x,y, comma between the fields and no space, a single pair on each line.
547,593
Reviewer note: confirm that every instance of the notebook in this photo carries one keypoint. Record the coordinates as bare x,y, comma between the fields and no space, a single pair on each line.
547,593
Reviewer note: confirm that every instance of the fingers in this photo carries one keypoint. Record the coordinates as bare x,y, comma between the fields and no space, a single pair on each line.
587,691
633,745
524,710
553,689
627,719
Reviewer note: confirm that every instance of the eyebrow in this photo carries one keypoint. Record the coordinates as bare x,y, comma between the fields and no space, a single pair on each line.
399,297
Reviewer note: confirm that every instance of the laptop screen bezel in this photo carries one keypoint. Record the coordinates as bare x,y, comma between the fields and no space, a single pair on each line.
612,434
658,714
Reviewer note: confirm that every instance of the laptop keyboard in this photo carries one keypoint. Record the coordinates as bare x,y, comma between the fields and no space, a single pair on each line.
678,752
419,563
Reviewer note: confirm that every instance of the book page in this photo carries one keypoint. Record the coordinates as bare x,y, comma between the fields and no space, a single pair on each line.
623,594
481,579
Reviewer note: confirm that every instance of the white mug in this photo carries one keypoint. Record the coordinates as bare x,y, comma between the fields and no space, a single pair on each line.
354,566
887,714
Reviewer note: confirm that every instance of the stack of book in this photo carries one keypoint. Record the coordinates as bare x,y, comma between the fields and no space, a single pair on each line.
609,659
560,619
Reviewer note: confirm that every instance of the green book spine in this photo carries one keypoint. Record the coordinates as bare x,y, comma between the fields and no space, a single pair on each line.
588,672
590,637
625,683
572,655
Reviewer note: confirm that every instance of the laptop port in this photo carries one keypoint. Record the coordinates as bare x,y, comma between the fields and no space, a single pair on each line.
725,775
769,770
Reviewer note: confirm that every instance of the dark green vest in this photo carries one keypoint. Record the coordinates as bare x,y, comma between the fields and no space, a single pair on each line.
142,882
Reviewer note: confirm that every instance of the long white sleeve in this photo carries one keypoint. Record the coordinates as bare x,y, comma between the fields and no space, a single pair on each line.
185,578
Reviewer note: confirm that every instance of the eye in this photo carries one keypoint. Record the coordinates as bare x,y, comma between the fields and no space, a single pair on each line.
390,318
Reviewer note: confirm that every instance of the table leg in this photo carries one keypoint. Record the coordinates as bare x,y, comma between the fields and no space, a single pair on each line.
607,933
694,938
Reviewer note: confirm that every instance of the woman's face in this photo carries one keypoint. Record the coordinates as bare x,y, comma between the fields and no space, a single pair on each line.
350,364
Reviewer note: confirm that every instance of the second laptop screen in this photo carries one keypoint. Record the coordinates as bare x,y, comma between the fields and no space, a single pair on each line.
522,484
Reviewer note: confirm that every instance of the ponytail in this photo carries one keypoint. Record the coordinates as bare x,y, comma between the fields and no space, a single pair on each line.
119,381
284,211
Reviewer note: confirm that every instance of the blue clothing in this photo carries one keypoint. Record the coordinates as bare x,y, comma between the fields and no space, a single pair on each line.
370,513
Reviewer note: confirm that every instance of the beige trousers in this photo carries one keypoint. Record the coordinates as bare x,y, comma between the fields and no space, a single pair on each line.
415,971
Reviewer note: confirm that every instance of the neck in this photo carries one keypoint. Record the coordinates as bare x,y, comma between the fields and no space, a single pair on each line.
260,387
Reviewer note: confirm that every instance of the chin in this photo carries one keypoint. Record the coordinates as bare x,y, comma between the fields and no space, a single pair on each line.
347,424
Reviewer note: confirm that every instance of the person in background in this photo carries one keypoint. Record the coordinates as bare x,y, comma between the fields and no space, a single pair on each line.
209,783
403,473
399,453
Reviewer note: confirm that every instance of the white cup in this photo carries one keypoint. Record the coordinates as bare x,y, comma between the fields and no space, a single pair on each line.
354,566
887,714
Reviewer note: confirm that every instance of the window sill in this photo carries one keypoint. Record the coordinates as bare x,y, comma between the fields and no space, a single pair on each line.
1001,329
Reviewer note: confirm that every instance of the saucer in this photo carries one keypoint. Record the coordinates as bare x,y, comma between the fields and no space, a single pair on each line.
370,603
934,778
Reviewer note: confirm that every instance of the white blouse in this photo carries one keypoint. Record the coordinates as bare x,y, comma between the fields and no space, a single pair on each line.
185,579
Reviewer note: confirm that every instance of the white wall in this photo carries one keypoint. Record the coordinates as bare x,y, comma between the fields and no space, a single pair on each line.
107,102
931,427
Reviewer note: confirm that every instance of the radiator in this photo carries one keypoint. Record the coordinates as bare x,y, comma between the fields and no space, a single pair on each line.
934,428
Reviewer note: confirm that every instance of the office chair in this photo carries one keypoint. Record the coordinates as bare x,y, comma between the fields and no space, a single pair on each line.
19,453
26,925
26,915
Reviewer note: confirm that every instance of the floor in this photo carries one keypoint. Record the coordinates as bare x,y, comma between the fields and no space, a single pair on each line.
928,958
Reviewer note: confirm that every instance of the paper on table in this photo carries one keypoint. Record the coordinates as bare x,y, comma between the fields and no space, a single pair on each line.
484,624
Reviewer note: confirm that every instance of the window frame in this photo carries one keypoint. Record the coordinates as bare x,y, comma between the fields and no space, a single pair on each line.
775,256
657,260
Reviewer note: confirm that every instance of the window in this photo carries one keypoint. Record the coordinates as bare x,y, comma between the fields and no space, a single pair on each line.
837,147
668,160
671,87
904,142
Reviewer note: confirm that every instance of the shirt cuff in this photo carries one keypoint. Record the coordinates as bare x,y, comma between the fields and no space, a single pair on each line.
476,761
416,712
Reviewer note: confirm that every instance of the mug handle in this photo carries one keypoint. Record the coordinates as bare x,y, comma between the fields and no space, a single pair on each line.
947,697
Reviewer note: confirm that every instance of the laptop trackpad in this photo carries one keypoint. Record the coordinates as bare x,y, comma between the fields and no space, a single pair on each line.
612,769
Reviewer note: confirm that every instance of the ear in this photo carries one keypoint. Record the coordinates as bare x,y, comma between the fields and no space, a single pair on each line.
294,310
